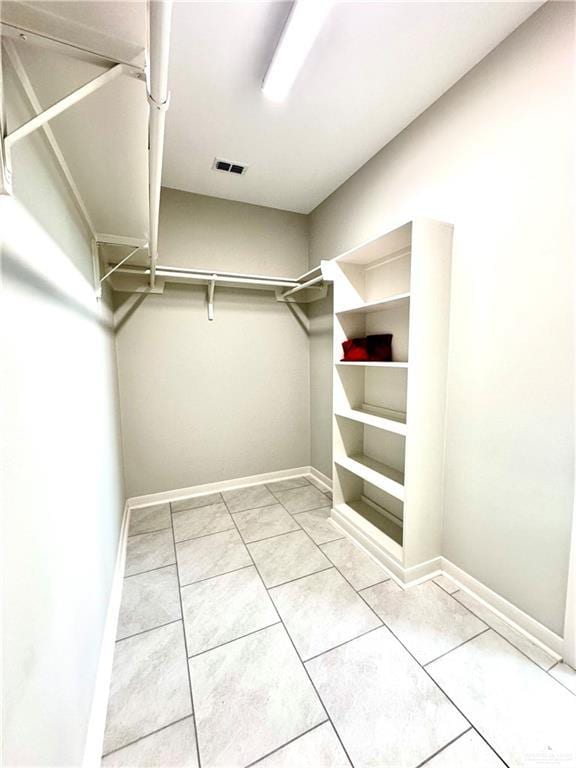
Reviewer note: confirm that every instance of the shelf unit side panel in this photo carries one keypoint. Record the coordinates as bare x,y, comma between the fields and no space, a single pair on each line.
426,390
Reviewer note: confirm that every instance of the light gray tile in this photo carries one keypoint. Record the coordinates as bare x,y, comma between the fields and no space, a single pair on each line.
286,485
519,709
533,651
191,523
248,498
301,499
255,524
172,747
152,518
149,600
287,557
469,751
446,584
359,569
210,556
319,748
565,675
424,618
149,550
316,522
149,687
251,697
194,502
384,706
226,607
321,611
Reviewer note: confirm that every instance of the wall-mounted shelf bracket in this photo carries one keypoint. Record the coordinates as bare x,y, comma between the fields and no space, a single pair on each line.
211,287
40,120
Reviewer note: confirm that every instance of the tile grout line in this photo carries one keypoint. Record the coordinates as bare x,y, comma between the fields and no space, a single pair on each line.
141,738
301,662
240,637
345,642
140,573
548,671
215,576
143,533
439,751
501,635
186,649
202,535
291,741
435,683
441,656
150,629
297,578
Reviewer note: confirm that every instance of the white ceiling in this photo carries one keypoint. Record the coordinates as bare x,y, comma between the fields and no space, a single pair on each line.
373,69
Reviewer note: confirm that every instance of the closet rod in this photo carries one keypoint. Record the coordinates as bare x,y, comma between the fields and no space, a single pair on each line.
177,274
211,272
301,286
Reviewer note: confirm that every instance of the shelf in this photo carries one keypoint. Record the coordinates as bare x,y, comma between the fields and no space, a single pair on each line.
372,420
381,475
367,364
387,533
376,306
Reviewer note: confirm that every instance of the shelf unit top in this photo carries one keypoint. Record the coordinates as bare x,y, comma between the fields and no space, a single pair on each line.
379,247
376,306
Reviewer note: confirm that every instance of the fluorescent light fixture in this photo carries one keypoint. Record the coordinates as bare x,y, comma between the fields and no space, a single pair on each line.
302,27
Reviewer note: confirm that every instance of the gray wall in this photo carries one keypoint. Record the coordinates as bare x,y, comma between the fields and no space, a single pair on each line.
207,401
62,487
494,156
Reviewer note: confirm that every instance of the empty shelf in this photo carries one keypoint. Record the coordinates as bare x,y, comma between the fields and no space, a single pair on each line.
383,523
373,420
380,529
381,475
376,306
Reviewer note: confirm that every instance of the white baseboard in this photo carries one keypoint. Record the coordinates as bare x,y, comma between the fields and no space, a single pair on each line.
515,617
409,577
221,485
95,734
321,478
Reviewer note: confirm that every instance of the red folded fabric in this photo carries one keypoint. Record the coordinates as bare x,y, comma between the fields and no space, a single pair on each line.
354,350
379,347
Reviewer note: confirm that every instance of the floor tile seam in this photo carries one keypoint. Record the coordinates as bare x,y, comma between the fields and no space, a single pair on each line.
149,570
144,533
297,578
382,581
504,636
442,588
274,536
441,656
439,751
216,576
196,736
159,568
291,741
437,685
302,665
141,738
251,509
144,631
190,509
233,639
548,672
344,642
301,510
203,535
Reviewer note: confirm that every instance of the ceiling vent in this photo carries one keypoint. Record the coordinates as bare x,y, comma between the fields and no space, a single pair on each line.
229,166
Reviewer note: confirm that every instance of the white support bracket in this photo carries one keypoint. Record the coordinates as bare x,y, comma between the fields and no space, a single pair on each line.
44,117
211,286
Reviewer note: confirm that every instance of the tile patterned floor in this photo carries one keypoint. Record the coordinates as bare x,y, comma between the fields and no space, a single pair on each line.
253,632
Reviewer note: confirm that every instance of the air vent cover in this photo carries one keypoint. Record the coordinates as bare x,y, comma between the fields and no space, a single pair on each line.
229,166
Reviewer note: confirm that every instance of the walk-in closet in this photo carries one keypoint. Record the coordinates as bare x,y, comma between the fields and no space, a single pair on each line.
287,383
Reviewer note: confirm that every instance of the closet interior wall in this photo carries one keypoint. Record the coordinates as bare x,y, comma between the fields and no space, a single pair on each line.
62,485
473,159
207,401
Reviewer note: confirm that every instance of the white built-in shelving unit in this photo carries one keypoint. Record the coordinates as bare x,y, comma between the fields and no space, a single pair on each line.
389,417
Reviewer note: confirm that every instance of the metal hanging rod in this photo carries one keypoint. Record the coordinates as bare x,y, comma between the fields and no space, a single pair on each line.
301,286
